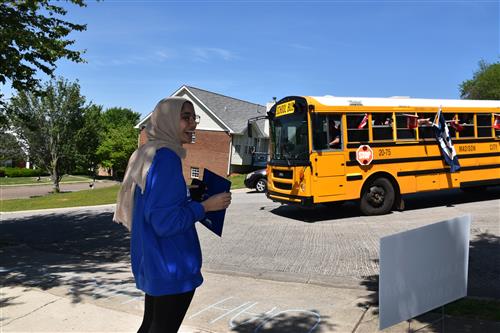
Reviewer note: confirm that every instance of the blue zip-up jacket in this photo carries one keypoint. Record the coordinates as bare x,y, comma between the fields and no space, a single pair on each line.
164,248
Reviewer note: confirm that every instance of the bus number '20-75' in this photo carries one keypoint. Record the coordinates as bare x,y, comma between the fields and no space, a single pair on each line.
384,152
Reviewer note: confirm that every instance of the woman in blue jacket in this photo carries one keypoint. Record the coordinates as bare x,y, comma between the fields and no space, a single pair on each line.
154,203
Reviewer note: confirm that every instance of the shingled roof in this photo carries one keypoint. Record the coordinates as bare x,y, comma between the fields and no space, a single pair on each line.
233,112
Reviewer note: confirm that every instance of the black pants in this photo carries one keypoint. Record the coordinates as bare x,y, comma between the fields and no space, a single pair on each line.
164,314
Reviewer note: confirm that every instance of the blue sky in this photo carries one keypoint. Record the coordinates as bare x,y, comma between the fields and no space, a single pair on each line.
141,51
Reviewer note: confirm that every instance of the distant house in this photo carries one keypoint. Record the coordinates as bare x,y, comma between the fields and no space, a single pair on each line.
222,143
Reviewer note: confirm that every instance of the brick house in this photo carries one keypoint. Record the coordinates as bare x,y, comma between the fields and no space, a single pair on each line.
222,143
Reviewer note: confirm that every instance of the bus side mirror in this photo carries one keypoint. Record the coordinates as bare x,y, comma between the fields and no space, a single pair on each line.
249,129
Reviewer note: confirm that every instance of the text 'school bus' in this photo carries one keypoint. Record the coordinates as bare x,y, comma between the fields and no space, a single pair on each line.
331,149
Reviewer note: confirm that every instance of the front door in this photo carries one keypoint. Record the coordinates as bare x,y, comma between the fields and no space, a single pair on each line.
328,157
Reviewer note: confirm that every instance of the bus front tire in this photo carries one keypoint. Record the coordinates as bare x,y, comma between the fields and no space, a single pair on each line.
378,197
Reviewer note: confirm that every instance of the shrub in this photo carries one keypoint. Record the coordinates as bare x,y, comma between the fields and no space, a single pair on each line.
21,172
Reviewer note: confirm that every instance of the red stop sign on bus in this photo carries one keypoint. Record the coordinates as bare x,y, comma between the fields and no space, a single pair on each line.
364,155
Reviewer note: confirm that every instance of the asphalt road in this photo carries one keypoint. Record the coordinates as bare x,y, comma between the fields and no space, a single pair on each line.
339,247
271,259
20,192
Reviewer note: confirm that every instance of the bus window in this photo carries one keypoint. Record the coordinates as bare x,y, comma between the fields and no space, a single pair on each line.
327,132
404,130
356,132
425,130
449,118
334,132
484,125
466,120
496,125
320,132
382,126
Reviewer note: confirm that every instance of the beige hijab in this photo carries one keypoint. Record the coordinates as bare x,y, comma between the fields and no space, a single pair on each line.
162,131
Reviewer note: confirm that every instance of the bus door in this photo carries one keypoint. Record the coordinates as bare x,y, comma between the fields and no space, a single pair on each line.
328,158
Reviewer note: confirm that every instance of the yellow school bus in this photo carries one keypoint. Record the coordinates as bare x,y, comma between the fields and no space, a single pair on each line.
332,149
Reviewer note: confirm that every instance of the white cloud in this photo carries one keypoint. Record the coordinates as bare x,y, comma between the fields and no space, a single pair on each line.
208,53
133,59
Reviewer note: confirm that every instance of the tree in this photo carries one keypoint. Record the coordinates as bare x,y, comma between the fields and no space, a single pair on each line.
33,37
115,117
88,139
11,148
48,125
485,84
119,140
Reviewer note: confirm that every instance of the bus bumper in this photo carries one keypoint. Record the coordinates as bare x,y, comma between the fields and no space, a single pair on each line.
290,199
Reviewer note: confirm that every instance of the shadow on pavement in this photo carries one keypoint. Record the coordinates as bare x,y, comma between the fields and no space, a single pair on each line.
289,321
447,198
484,272
85,251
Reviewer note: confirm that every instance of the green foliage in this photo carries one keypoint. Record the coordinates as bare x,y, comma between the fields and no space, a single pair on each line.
21,172
119,139
485,84
10,148
33,36
88,139
47,123
117,117
116,148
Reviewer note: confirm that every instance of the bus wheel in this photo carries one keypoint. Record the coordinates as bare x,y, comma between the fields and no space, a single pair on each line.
378,197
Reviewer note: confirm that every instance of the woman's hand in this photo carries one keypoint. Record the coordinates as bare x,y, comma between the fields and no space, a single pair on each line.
217,202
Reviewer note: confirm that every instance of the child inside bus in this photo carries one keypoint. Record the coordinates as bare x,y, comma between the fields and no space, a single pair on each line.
334,133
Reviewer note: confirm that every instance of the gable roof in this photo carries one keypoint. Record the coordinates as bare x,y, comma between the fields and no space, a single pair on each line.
232,112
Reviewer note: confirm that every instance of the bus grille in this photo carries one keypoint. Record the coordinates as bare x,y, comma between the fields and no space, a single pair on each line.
284,174
282,186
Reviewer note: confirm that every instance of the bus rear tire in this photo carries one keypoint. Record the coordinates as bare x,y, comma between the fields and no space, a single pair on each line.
378,197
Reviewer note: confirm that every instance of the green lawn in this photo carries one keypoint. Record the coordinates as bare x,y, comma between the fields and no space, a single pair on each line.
237,181
44,180
95,197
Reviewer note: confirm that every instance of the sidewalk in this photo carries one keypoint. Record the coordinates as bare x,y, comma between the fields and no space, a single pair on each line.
34,310
223,304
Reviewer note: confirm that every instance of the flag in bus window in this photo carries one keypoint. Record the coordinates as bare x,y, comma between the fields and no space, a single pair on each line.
456,124
363,122
496,125
444,140
411,121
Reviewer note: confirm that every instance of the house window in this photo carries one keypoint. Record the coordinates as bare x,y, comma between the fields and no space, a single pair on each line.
237,148
195,172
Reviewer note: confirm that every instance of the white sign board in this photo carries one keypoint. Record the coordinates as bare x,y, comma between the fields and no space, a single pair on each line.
423,269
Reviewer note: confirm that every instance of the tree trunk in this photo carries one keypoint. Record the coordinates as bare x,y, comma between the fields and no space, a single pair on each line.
55,177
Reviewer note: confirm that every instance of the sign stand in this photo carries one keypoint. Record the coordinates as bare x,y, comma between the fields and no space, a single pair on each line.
432,323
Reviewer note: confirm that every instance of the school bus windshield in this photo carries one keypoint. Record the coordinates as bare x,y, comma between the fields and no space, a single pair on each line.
289,138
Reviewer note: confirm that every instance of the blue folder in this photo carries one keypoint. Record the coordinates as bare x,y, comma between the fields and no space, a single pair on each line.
214,221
